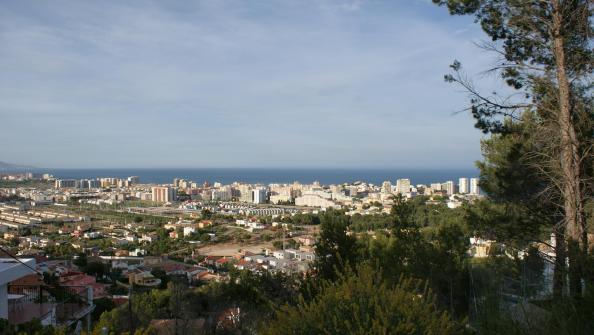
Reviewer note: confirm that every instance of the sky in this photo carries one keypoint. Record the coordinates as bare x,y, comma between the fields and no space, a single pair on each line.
230,83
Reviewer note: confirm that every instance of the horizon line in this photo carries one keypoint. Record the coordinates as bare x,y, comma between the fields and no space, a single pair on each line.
251,168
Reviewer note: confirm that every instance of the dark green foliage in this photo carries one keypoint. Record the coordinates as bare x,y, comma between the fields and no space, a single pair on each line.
362,223
161,274
255,295
29,328
81,260
532,316
94,268
363,303
102,305
302,219
206,214
335,249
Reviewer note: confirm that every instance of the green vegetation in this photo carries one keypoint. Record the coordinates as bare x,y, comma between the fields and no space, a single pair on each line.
38,184
363,303
29,328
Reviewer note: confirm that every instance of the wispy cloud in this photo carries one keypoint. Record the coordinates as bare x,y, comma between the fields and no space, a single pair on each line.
222,83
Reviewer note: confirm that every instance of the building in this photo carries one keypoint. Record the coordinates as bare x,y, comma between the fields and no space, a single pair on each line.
386,187
24,297
277,198
133,180
314,200
244,192
259,195
474,186
449,187
11,270
403,186
94,183
143,278
435,187
65,183
222,194
163,194
463,185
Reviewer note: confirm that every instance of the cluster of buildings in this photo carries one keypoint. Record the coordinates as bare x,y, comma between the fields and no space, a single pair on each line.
287,261
21,215
96,183
23,176
314,195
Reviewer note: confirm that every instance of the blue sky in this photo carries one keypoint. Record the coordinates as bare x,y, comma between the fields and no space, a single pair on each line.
281,83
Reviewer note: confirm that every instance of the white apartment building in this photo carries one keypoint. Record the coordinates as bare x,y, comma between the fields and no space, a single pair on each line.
245,192
222,194
474,186
163,194
386,187
449,187
259,195
403,186
314,200
276,198
463,185
65,183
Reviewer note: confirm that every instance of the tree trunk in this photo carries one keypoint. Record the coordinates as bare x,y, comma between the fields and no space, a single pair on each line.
570,162
559,269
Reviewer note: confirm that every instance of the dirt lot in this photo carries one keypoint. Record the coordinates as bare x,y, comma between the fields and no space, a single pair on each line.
230,249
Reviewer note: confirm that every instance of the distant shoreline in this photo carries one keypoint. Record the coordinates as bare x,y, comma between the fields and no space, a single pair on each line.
268,175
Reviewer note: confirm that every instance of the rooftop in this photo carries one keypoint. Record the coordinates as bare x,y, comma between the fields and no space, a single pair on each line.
11,269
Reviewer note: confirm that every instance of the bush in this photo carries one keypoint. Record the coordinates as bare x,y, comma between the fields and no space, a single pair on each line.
363,304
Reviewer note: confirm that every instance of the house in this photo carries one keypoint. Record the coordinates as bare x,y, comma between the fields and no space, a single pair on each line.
143,278
222,262
92,235
204,223
149,238
278,263
151,261
242,265
131,238
255,258
210,260
137,252
207,276
189,230
121,253
306,240
77,281
279,254
194,273
23,297
242,253
174,269
11,270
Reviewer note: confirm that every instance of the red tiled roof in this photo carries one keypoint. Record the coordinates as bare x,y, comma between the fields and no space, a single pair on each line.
222,260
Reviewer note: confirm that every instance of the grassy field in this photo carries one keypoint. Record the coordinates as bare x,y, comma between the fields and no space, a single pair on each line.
39,184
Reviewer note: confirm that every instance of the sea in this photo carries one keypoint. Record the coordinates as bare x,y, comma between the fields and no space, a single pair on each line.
325,176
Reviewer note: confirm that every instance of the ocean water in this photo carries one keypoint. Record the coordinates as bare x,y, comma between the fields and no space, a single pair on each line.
267,176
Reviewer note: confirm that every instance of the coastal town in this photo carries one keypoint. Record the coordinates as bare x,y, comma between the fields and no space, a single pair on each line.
365,167
104,236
